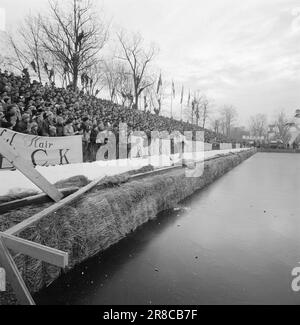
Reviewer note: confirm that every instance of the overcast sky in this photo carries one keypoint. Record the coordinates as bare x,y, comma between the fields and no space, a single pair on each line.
245,53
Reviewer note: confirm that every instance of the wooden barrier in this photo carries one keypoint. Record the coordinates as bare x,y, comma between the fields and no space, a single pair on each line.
18,245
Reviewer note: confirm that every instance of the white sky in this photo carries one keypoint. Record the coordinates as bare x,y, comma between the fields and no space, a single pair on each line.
245,53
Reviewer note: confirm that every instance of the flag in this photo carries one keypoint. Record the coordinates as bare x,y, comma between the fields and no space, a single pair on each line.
33,66
182,94
189,99
145,103
159,85
173,90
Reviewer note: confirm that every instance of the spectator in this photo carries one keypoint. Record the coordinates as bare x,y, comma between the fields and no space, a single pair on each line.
60,126
24,126
34,128
52,131
68,129
46,124
3,121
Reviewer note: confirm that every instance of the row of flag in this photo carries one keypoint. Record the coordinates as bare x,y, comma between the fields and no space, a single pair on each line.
159,86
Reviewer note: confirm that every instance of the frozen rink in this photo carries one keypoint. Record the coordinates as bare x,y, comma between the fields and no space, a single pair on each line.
16,182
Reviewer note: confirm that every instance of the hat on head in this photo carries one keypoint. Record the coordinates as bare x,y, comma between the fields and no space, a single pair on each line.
47,114
25,116
69,121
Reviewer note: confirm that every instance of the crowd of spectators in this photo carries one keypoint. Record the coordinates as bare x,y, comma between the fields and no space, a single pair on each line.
33,108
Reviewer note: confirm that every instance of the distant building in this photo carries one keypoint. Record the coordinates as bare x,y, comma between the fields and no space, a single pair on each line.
238,133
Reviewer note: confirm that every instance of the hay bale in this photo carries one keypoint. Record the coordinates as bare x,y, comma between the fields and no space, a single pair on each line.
76,181
13,195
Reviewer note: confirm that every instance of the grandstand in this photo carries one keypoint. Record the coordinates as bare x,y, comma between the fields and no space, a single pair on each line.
30,107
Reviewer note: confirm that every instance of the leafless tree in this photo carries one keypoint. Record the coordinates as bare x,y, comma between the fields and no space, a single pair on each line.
138,59
74,36
26,48
228,117
282,128
258,125
196,110
30,33
216,125
124,86
17,60
205,105
92,80
113,77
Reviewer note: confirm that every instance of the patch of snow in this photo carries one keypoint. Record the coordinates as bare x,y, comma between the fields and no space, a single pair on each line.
12,182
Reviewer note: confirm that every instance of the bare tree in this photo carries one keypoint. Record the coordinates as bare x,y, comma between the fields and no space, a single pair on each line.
17,59
115,79
124,86
30,34
258,125
223,126
205,105
26,48
92,80
282,128
74,37
216,125
138,59
228,117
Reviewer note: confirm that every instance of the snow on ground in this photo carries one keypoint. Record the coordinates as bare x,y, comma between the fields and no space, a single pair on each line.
16,182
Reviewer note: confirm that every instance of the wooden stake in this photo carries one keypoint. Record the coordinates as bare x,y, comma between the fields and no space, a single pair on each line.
14,276
37,251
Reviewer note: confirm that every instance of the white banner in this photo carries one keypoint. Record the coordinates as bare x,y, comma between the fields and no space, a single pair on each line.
207,146
225,146
43,151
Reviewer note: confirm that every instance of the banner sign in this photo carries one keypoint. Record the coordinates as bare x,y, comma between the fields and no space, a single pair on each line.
43,151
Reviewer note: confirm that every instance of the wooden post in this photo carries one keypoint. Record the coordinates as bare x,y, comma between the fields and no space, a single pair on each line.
26,169
40,252
14,277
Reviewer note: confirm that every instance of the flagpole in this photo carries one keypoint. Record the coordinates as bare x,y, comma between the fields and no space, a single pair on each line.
172,104
181,112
